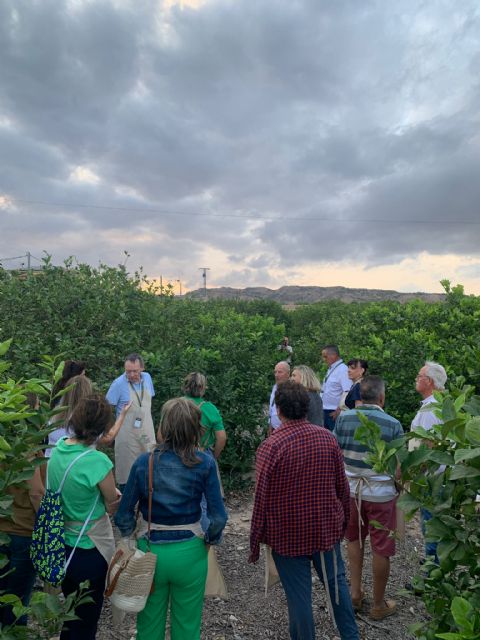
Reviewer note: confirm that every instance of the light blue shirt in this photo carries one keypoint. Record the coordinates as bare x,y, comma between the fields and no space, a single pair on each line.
119,393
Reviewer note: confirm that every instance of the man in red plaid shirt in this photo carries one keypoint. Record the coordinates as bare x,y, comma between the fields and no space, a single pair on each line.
302,507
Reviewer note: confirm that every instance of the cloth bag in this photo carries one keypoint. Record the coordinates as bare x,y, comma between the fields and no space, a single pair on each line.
215,586
131,571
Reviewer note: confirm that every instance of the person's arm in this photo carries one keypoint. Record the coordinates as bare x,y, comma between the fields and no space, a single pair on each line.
220,442
36,488
342,486
258,522
125,518
110,436
215,507
111,495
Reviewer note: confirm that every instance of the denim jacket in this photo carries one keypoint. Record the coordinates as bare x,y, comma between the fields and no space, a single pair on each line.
177,492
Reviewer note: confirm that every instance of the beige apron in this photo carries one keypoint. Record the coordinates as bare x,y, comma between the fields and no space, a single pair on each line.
132,441
100,533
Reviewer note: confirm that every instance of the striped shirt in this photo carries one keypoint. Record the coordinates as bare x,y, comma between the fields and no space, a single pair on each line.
302,502
374,487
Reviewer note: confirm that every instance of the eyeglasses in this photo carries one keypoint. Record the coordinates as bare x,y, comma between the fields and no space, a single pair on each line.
422,375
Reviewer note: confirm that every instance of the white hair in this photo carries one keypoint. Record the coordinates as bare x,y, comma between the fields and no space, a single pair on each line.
437,374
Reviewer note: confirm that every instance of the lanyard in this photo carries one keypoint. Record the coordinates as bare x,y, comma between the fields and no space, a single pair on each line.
139,398
329,373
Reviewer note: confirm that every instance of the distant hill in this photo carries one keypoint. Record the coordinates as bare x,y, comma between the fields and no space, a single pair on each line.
302,295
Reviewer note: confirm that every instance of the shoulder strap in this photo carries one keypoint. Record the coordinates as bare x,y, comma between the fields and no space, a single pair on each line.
82,531
84,453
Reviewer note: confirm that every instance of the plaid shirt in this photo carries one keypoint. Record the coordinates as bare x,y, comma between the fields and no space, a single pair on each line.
302,498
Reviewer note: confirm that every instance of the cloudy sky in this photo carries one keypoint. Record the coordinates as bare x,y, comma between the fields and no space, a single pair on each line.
322,142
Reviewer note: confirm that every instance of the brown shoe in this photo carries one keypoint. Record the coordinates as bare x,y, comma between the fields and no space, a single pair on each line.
379,613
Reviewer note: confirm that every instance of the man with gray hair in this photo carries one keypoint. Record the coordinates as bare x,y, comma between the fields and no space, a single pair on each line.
373,497
137,433
431,377
282,374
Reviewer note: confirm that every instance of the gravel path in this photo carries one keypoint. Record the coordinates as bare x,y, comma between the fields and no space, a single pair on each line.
248,615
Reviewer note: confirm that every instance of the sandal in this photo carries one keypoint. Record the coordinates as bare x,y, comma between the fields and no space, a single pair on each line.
379,613
358,602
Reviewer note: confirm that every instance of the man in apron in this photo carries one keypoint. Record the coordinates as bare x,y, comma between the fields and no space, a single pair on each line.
137,434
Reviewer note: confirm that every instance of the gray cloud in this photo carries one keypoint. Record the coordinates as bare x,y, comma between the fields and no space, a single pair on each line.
325,116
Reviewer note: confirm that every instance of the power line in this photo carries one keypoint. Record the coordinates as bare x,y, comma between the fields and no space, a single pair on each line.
198,214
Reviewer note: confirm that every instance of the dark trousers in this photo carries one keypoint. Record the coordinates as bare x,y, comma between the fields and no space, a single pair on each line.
328,421
86,564
296,577
20,580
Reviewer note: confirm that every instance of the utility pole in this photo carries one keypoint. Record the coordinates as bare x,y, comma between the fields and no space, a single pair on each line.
204,276
179,284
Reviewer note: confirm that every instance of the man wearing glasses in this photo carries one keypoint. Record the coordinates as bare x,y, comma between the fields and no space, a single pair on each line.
137,433
431,377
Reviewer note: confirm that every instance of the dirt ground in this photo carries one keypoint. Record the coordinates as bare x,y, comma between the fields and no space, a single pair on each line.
249,615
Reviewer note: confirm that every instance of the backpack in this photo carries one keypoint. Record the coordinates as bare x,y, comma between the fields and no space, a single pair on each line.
47,550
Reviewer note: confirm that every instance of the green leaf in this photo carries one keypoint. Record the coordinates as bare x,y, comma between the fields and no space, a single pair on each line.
472,430
473,406
408,503
464,471
466,454
462,612
5,346
448,410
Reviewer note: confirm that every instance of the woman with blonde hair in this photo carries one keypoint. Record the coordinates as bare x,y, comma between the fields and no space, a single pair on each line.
307,378
182,473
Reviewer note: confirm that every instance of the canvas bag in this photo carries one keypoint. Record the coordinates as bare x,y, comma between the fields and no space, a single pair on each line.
47,550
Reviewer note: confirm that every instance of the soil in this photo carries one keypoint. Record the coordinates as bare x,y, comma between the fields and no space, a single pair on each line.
249,615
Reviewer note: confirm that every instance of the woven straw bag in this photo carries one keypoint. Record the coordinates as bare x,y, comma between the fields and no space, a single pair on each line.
130,578
131,571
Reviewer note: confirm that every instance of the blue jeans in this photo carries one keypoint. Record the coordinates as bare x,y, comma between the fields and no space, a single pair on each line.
430,547
296,576
20,581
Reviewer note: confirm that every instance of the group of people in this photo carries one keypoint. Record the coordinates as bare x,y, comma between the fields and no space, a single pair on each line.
187,506
314,487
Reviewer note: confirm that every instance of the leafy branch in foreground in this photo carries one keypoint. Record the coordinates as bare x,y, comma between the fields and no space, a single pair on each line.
442,475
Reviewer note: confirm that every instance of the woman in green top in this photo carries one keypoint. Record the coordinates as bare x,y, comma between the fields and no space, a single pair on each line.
214,436
89,493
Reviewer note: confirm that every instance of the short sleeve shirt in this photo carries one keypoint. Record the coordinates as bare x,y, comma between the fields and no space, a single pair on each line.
335,384
211,421
119,393
80,489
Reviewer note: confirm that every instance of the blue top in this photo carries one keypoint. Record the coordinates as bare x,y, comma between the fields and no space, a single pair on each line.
177,493
119,393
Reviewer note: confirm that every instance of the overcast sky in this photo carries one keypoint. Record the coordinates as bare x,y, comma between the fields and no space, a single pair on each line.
322,142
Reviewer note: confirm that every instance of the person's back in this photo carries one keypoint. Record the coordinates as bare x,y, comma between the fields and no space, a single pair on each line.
372,496
177,493
305,461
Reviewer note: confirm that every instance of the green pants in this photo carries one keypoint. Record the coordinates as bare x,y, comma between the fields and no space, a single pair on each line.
180,577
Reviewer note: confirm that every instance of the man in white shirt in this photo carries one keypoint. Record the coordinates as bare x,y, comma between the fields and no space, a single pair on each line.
431,377
282,374
336,385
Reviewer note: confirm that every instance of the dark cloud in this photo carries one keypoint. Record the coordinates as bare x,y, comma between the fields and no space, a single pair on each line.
311,132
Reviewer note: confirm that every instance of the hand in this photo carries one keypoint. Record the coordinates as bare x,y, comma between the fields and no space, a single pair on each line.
113,506
334,414
125,409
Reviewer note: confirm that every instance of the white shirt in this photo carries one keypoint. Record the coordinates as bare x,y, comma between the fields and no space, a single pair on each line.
335,384
427,419
273,418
